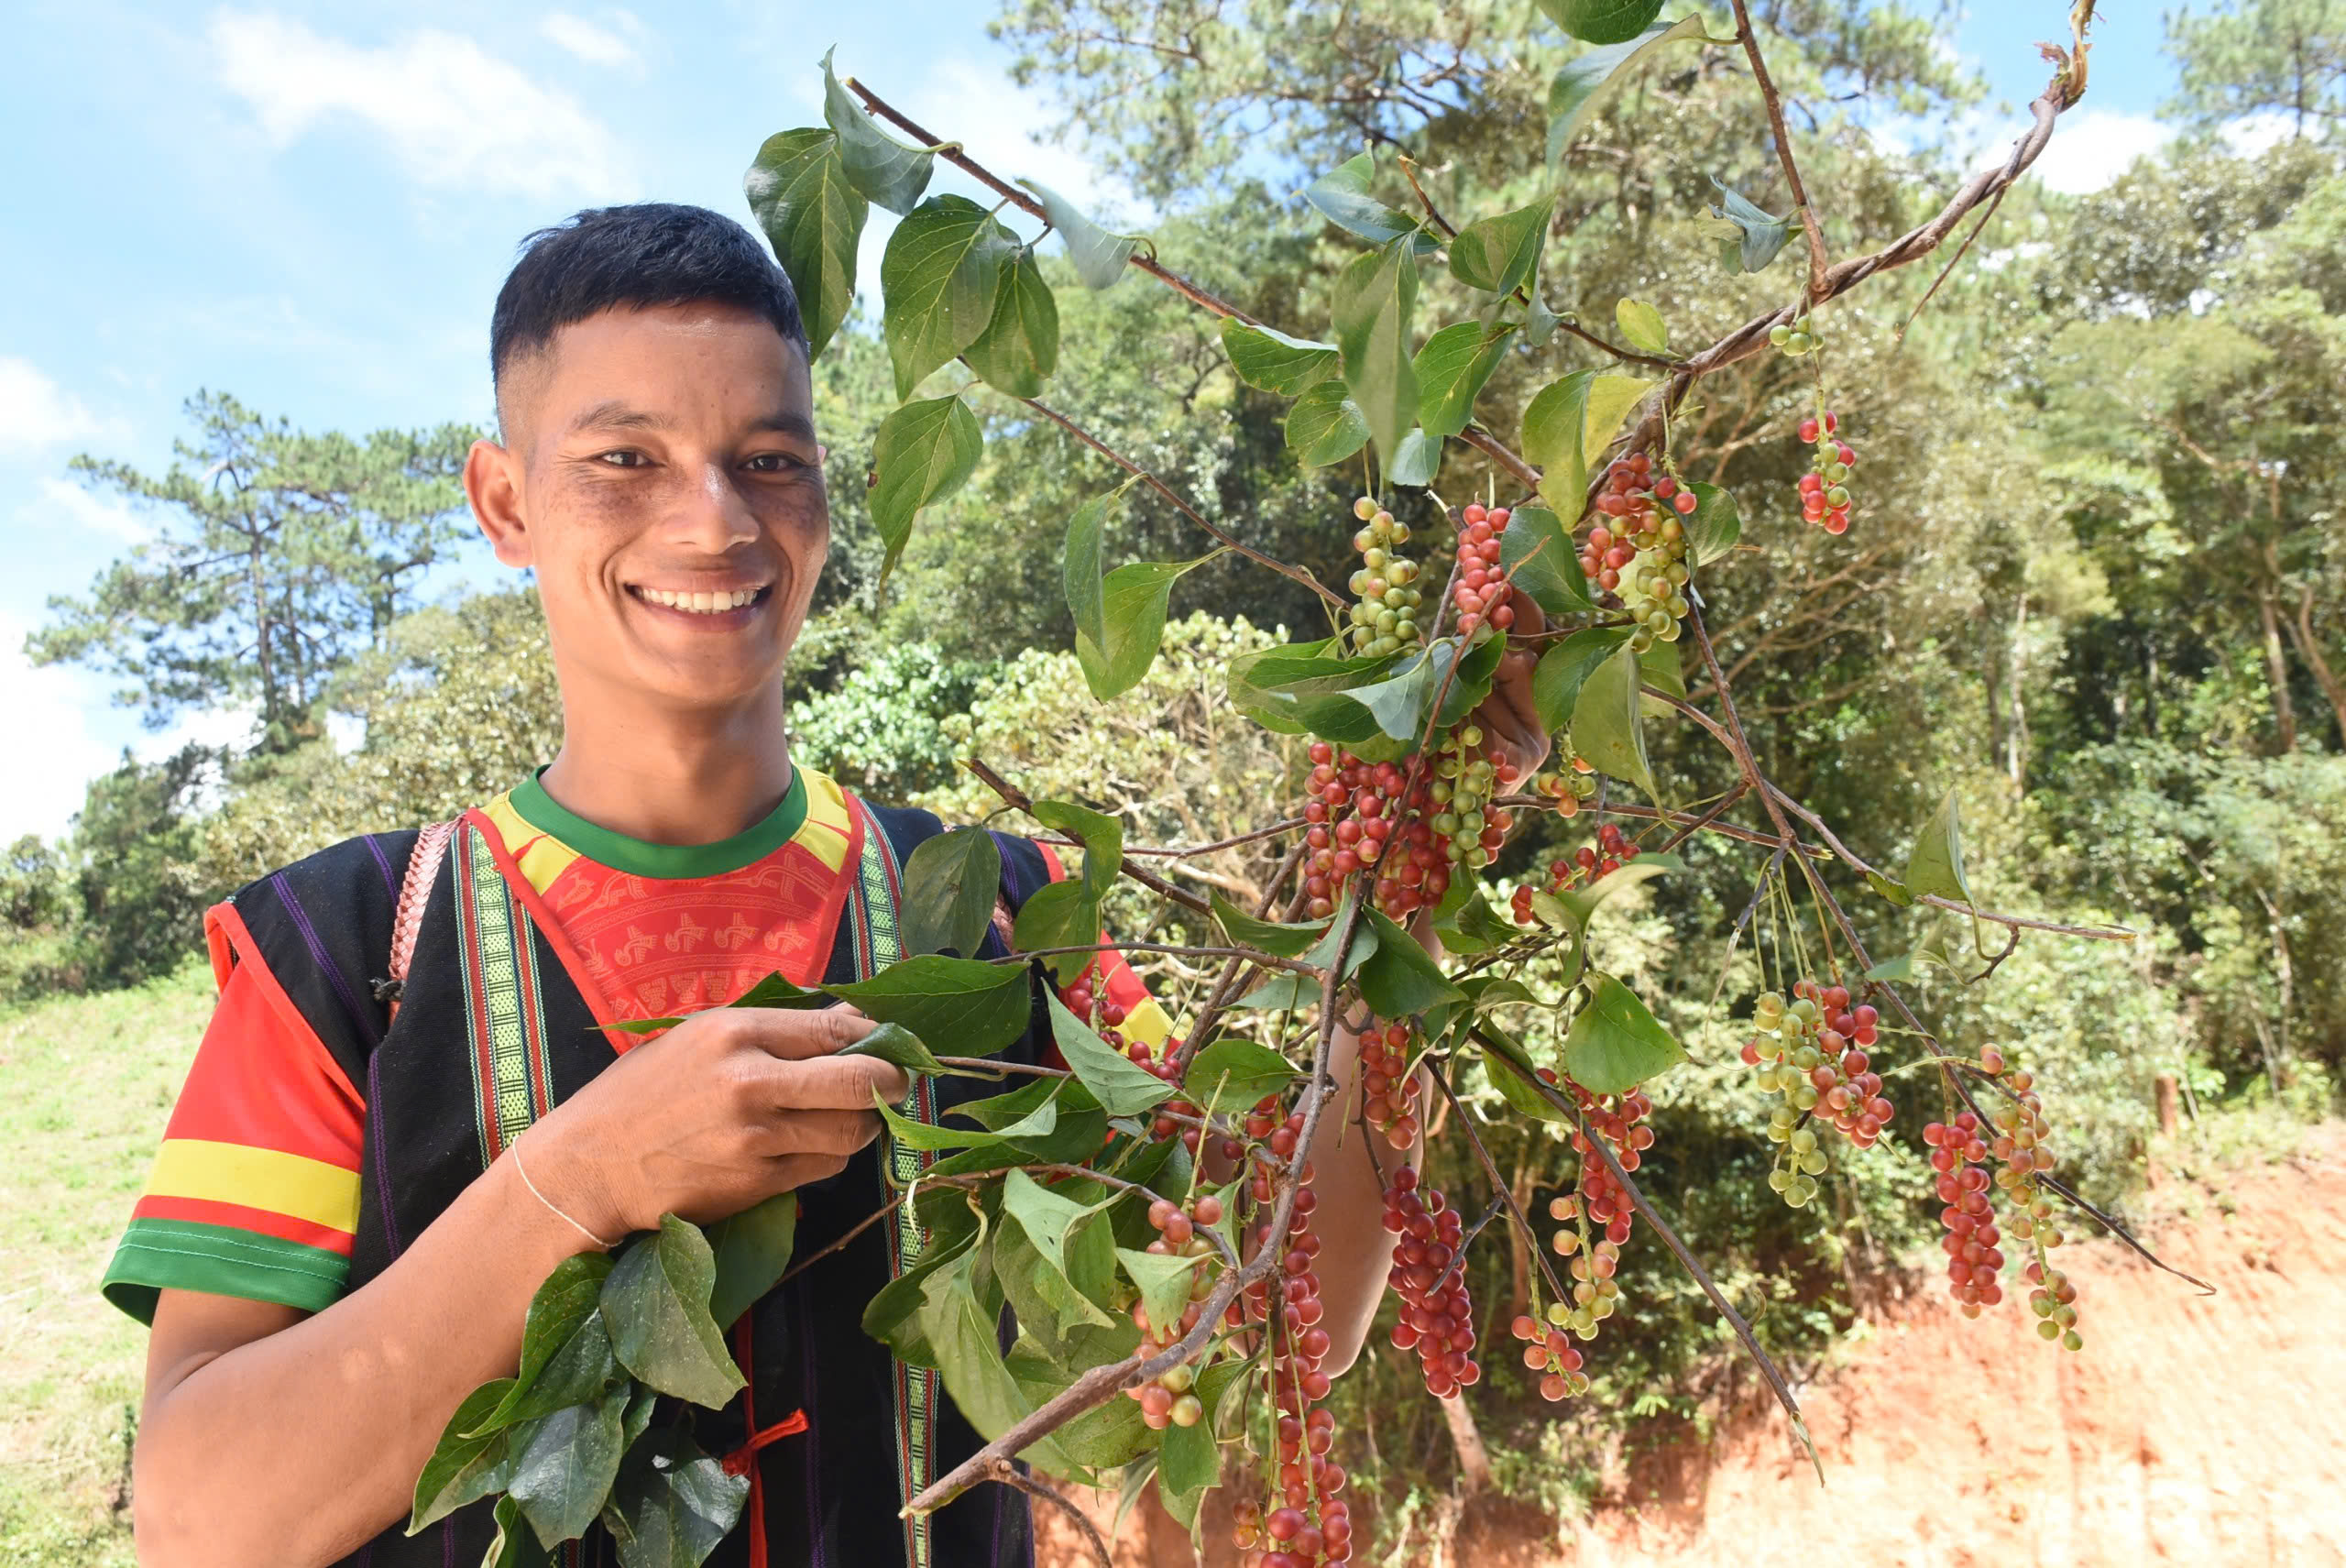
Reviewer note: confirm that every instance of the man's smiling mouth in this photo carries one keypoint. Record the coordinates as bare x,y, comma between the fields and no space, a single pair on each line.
701,602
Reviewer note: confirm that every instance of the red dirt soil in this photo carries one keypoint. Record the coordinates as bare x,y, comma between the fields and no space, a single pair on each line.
2191,1430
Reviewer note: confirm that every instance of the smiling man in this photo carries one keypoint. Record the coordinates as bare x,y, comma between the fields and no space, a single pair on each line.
411,1104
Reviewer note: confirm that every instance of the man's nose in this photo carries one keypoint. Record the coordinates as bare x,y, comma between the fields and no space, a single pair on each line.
711,513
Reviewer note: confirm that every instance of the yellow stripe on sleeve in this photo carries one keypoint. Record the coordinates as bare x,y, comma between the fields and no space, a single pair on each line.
281,1183
828,830
544,856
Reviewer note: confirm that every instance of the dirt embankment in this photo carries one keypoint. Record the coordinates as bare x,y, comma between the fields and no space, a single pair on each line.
2192,1430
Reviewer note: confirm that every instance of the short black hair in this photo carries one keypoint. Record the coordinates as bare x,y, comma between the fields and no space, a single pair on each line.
641,255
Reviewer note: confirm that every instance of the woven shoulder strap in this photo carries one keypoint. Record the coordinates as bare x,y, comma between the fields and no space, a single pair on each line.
415,890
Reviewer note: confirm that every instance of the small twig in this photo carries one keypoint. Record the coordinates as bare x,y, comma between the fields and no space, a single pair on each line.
1024,802
1246,955
1183,851
1009,1475
1749,39
800,1265
1501,1191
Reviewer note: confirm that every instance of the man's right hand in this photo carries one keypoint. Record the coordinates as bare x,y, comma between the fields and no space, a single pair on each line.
727,1109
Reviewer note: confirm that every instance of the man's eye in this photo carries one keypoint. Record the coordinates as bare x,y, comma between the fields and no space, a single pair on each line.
776,462
622,459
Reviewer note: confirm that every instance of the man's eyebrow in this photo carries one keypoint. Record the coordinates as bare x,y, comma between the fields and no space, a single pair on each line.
613,414
786,422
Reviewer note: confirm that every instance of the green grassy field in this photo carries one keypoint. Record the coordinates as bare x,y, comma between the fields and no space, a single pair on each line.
85,1086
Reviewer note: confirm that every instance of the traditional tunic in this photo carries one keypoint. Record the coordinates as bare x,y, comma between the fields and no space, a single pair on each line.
319,1133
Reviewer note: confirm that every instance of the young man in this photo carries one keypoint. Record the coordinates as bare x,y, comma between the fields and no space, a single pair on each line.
364,1182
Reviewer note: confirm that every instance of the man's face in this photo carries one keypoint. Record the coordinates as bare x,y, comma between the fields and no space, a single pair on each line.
662,477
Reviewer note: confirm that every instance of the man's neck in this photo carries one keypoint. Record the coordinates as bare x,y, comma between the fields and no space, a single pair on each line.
671,777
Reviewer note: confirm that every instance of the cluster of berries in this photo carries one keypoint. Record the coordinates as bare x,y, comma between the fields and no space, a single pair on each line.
1352,814
1580,868
1468,829
1958,1154
1825,488
1483,591
1384,616
1635,547
1567,787
1312,1524
1388,1089
1437,1317
2023,1145
1549,1352
1799,338
1601,1202
1175,1115
1171,1399
1813,1052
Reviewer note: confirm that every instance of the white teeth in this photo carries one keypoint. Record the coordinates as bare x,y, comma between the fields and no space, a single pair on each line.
700,604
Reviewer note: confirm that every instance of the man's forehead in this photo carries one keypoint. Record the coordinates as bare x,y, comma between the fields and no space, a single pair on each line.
616,369
626,413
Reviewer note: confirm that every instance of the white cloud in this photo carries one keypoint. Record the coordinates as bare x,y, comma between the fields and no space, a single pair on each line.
2091,148
35,411
591,42
2253,136
63,504
450,113
53,704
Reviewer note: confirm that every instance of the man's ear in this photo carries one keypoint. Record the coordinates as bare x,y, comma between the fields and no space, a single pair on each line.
493,483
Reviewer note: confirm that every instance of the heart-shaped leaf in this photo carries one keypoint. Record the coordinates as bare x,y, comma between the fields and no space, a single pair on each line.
884,168
1539,558
1606,728
1133,602
1236,1073
1451,370
655,1304
1935,863
950,885
1020,347
939,279
1603,21
925,451
966,1006
1270,359
1563,669
1615,1044
1325,425
1376,297
1501,254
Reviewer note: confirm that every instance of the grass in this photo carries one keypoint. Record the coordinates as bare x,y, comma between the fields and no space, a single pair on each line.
86,1083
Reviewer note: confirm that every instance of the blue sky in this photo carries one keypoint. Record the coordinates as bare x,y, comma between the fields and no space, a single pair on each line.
311,207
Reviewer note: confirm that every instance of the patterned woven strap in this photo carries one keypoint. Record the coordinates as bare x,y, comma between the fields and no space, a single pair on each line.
874,902
415,890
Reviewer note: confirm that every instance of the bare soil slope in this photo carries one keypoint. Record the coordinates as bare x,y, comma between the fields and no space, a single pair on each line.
2192,1428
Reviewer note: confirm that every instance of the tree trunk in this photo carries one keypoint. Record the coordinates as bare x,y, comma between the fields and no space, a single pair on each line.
2277,670
1474,1459
2301,632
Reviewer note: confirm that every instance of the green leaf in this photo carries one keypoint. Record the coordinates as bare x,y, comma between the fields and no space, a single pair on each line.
1566,666
1610,398
1122,1087
1552,425
951,882
1245,931
752,1250
567,1472
1935,863
1401,980
1270,360
1189,1461
1500,254
1341,194
1451,370
1400,702
1605,720
1615,1044
1583,902
1474,928
1132,600
557,1311
1289,989
966,1006
1898,892
1073,1240
1641,326
1062,914
1376,296
1084,564
1098,257
1030,1111
1657,667
1236,1073
774,991
1296,689
1325,425
892,1315
515,1544
1539,557
1416,461
1165,1281
924,452
1020,347
1713,526
1540,323
464,1467
939,279
580,1370
799,193
1513,1075
655,1304
672,1504
1753,238
1602,21
963,1332
899,1047
1102,835
1581,84
884,168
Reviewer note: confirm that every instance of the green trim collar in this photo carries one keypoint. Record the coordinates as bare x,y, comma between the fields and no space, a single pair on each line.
664,861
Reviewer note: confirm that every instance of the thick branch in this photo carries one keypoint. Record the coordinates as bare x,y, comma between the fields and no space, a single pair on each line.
1750,42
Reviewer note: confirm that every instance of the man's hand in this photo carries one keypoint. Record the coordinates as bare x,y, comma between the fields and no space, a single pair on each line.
727,1109
1512,732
